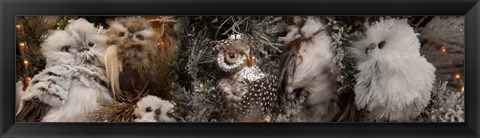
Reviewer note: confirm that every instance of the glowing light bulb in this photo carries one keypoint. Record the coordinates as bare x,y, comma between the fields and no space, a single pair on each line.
457,75
444,49
18,26
28,78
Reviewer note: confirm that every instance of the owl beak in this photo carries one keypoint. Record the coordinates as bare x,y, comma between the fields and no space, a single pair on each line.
249,60
370,48
83,49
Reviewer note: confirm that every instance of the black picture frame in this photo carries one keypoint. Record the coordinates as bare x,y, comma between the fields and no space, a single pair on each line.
9,9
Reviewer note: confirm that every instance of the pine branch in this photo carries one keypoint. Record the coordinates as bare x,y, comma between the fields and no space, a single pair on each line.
445,105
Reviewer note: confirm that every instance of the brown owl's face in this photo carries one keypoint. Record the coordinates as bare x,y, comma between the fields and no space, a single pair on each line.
131,32
233,55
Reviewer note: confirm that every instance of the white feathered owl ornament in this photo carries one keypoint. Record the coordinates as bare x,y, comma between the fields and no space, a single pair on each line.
73,82
308,61
153,109
394,81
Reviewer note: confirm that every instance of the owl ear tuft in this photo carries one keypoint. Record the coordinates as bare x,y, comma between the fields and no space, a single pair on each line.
235,37
247,42
403,21
218,46
109,21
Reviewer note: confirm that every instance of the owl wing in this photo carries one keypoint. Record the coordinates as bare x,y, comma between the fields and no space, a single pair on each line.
230,93
48,89
260,99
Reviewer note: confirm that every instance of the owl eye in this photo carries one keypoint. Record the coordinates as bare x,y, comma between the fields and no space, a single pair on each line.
149,109
90,44
231,55
381,44
231,58
66,48
121,34
140,37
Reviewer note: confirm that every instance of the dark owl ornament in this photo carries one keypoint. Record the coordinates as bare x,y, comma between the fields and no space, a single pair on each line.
248,94
136,64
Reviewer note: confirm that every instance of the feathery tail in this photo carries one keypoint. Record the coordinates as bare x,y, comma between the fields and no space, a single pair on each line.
113,112
113,68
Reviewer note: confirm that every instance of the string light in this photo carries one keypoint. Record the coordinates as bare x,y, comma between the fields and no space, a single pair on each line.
22,44
444,49
18,26
457,76
463,88
28,78
25,62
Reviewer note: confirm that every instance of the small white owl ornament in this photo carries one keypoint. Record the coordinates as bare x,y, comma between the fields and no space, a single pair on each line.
153,109
394,81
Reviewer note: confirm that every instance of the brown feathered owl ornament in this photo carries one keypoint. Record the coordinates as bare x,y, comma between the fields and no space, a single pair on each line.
248,94
135,61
